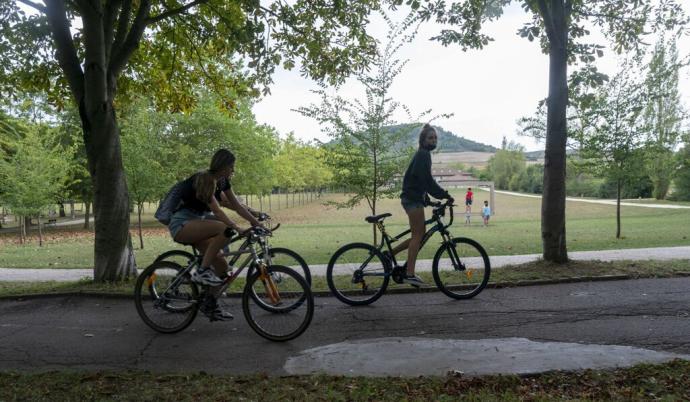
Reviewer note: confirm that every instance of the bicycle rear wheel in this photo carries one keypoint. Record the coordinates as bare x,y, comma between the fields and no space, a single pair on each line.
180,257
165,300
357,274
461,268
278,311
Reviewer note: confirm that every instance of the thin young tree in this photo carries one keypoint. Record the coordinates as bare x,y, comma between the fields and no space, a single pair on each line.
365,153
663,115
32,176
615,136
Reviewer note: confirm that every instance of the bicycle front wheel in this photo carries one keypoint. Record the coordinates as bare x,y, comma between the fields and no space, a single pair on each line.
166,300
357,274
461,268
277,310
287,258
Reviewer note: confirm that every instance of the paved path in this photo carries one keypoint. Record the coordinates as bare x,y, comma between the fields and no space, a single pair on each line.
600,201
659,253
522,329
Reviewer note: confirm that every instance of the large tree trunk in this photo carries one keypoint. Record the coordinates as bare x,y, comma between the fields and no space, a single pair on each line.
113,255
553,199
62,209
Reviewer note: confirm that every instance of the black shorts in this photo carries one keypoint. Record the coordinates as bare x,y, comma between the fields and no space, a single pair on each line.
468,202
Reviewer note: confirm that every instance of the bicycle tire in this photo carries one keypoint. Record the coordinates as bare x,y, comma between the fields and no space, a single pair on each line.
170,254
352,259
474,262
154,280
297,289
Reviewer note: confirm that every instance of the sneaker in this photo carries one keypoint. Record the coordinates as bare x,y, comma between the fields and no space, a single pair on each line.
206,276
209,307
413,280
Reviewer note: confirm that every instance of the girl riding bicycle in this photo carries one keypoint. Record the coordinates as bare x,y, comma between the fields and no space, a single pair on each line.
202,223
417,183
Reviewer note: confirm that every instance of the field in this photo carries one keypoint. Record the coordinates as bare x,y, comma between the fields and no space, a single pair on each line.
316,230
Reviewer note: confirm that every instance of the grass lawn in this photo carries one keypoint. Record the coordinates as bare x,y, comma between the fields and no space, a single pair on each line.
669,381
507,276
316,231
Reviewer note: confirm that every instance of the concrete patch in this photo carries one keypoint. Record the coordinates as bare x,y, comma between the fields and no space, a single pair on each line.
422,356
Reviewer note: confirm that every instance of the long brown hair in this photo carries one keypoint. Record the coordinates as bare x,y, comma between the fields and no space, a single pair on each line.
205,186
221,159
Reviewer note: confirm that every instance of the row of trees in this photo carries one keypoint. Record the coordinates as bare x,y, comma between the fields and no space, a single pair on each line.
43,163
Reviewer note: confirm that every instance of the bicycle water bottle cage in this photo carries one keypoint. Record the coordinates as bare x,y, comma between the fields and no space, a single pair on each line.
377,218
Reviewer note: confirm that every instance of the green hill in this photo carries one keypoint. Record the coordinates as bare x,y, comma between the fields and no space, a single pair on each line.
448,142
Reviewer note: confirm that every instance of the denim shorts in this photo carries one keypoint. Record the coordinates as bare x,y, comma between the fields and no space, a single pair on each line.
409,205
180,218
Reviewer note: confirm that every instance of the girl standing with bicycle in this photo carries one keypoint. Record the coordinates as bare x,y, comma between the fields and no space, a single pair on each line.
418,182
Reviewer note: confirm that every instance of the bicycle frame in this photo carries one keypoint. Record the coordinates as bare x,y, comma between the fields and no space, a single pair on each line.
439,226
247,247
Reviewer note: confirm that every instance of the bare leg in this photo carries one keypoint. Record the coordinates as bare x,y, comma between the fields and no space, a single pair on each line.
416,218
400,247
208,237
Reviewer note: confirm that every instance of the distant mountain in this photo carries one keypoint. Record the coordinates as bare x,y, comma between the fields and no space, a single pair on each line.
448,142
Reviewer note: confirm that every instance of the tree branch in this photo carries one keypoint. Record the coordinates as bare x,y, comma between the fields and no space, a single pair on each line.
37,6
176,11
122,25
547,16
66,51
109,16
119,59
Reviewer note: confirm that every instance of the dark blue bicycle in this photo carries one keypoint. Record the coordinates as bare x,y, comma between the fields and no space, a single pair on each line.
359,273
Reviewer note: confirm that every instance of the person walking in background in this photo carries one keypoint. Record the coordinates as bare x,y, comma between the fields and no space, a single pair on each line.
486,213
469,196
417,183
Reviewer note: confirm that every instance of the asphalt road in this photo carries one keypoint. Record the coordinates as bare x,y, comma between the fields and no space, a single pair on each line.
88,333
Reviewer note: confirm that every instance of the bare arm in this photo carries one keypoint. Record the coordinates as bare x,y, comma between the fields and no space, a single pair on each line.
215,208
229,200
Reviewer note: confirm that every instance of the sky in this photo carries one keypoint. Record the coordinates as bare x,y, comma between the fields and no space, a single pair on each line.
486,90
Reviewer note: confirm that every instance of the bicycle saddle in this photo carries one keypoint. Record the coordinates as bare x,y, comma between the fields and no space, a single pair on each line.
377,218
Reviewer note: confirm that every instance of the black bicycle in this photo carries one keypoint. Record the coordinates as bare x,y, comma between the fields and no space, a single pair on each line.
359,273
272,255
276,300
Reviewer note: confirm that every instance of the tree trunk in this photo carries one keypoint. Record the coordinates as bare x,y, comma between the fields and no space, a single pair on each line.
553,199
72,212
20,223
270,195
140,207
618,209
113,254
87,214
40,232
62,210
